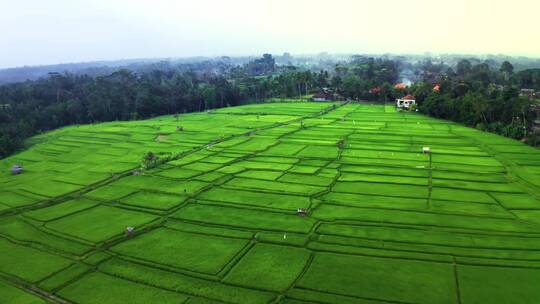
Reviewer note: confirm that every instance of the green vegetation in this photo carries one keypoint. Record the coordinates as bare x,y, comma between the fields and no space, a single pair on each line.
384,279
248,209
276,267
100,288
99,224
11,294
479,93
194,252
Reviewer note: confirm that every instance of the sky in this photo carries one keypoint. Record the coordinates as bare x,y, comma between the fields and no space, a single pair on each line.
38,32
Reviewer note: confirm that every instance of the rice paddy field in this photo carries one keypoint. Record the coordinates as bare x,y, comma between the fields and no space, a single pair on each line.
218,221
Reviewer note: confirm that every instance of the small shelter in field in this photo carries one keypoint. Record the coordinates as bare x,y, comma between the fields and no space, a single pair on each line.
301,211
16,169
405,102
129,231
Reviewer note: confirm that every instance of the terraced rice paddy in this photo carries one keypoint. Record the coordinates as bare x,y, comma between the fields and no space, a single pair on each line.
218,222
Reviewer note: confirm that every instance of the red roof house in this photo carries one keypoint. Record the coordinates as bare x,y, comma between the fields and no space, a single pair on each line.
400,86
375,90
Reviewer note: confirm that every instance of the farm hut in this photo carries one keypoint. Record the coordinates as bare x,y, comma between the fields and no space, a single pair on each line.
16,169
301,211
426,150
129,230
405,102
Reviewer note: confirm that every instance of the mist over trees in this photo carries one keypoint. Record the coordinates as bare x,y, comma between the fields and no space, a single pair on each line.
479,93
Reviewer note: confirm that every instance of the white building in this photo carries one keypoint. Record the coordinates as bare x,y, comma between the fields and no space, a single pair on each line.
405,102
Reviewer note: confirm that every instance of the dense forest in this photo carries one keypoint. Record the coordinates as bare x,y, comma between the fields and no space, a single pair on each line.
36,106
484,97
479,94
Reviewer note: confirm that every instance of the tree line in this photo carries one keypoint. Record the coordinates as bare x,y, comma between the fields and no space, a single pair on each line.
478,95
32,107
483,95
485,98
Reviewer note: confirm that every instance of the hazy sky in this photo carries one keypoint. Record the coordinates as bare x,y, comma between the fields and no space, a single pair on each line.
59,31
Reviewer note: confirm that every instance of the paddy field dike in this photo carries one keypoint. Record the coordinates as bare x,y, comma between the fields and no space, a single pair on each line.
216,218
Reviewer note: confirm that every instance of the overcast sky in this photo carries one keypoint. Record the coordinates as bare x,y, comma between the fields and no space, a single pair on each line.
36,32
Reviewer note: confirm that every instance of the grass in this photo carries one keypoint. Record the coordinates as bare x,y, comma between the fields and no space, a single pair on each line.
153,200
386,202
244,218
100,289
25,231
29,264
99,224
498,289
384,189
152,183
330,152
11,294
60,210
65,276
268,200
368,278
191,251
186,284
218,222
14,199
269,267
244,183
517,201
428,236
260,174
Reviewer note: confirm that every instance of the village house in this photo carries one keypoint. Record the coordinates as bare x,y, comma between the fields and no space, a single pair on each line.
527,93
536,122
400,86
375,90
405,102
323,96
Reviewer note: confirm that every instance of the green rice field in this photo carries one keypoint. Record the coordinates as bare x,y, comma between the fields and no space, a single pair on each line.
217,221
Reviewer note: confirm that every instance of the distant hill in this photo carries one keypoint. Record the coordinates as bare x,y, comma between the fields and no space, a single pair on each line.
92,68
315,62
